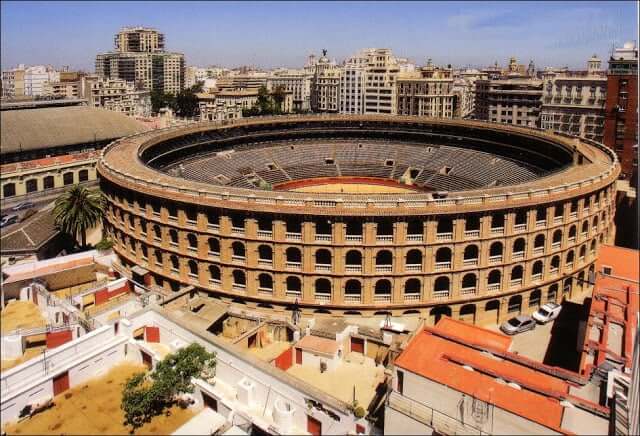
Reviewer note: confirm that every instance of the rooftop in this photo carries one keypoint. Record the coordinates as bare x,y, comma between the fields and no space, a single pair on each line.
318,345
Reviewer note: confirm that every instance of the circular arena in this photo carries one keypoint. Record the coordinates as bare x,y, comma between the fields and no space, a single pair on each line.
362,215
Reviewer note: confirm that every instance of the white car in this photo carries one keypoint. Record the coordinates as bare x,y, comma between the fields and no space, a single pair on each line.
547,312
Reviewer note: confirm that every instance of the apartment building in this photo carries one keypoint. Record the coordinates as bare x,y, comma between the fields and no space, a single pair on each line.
573,101
13,83
117,95
211,108
325,95
464,90
252,80
142,60
427,92
510,100
621,109
352,84
380,82
244,98
298,82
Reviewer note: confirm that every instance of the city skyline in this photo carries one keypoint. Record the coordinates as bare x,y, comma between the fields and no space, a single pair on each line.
283,34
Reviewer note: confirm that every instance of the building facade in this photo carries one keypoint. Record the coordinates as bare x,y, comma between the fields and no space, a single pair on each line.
621,109
211,108
514,100
325,96
428,93
13,83
297,82
117,95
573,101
380,82
142,60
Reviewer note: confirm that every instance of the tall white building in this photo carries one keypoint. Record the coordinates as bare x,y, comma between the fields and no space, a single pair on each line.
36,77
380,82
573,102
427,92
325,94
298,82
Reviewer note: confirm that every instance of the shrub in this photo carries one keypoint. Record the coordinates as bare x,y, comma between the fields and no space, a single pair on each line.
104,244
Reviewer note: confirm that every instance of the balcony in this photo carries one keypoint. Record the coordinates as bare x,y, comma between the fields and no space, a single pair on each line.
495,259
468,290
293,294
413,267
471,234
518,255
555,245
214,254
173,218
353,268
536,277
323,298
266,292
323,237
265,234
357,299
294,265
558,219
192,223
353,238
238,287
553,271
379,299
414,238
538,250
497,230
214,227
492,287
540,224
573,215
323,267
239,259
519,227
293,236
515,282
440,266
237,230
440,295
384,238
470,262
215,282
265,262
411,297
568,266
447,236
384,268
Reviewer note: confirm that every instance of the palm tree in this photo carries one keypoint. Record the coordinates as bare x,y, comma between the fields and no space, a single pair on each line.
77,210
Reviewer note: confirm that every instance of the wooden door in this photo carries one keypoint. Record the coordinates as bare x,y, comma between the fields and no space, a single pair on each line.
252,341
60,383
298,356
210,402
152,334
357,345
314,426
34,296
146,360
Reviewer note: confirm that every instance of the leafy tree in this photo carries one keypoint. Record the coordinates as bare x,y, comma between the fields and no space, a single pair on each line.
77,210
157,101
278,98
147,395
264,102
186,102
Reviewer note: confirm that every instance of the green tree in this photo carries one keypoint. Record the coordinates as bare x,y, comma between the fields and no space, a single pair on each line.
186,103
147,395
264,102
157,101
77,210
278,98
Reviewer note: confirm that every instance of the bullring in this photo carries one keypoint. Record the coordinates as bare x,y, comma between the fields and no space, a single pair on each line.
474,220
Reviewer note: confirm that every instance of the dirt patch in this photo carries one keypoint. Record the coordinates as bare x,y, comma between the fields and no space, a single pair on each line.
95,409
21,315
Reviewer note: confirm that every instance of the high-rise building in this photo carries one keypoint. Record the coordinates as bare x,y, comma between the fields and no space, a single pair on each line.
140,58
573,101
621,108
380,82
464,90
13,83
352,84
325,85
510,100
427,92
298,82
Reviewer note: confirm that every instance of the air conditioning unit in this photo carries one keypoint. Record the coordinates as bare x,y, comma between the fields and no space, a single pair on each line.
246,391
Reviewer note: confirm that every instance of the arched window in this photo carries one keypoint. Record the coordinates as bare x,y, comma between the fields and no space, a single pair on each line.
49,182
555,263
518,247
441,287
536,271
323,227
471,254
384,258
534,298
494,280
382,290
595,223
143,250
538,243
415,229
469,283
214,246
265,282
557,238
157,233
592,249
516,274
239,278
521,219
495,251
515,304
31,185
294,257
193,241
158,256
175,265
323,258
558,211
412,288
214,273
323,287
569,260
353,259
238,250
583,252
67,178
443,258
572,233
552,294
353,291
414,260
173,235
193,268
265,253
294,286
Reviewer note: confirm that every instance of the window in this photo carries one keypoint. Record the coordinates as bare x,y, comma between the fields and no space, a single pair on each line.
607,270
400,382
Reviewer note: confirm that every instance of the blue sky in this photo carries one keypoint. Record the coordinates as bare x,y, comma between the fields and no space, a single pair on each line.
268,34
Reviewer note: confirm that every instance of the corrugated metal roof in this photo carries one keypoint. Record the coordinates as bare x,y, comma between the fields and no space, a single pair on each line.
33,129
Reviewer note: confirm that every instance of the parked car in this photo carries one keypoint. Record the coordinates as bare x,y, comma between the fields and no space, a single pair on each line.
547,312
7,220
23,205
518,324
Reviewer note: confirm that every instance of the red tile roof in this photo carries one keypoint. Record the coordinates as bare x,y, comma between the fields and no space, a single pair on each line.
48,269
468,333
